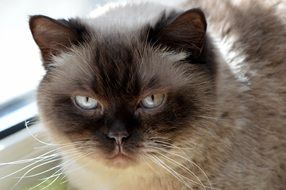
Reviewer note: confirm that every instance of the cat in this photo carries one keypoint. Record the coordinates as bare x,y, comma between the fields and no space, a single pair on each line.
146,96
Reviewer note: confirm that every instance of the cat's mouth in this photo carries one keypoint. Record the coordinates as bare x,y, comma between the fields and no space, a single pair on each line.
119,157
120,160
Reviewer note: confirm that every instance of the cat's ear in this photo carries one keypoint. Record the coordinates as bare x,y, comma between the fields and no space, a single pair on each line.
54,36
184,32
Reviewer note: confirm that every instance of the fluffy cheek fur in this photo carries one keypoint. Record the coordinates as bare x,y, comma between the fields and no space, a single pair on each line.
180,147
173,130
183,147
119,70
162,131
175,134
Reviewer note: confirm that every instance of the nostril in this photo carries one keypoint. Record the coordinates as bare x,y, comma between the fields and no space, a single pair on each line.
118,136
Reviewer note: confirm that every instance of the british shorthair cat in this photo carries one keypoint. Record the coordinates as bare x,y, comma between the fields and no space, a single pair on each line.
168,98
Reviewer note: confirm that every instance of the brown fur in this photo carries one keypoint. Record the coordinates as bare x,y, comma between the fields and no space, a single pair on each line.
231,128
254,110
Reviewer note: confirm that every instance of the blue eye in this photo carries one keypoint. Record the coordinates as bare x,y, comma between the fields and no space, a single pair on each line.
153,101
85,102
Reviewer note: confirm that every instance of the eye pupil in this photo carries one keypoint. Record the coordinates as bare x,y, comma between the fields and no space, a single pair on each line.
85,102
152,101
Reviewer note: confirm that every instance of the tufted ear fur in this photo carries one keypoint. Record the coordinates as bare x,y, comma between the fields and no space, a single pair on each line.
184,32
54,36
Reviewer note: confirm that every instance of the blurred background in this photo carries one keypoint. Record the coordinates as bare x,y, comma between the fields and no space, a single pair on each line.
20,62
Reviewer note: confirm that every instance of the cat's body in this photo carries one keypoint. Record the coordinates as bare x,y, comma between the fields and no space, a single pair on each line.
252,34
237,139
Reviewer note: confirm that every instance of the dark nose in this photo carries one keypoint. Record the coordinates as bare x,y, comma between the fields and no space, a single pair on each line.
118,136
118,132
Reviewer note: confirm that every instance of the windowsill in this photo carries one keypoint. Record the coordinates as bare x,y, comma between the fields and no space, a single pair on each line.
15,117
17,148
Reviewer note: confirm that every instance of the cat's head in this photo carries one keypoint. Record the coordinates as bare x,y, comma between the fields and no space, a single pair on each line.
125,96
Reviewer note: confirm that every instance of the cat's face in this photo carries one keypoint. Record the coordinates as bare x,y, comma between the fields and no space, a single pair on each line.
120,98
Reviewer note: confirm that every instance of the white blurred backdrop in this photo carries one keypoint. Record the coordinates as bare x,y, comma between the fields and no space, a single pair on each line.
20,63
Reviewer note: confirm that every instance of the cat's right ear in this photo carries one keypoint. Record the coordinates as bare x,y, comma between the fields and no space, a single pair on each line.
181,32
54,36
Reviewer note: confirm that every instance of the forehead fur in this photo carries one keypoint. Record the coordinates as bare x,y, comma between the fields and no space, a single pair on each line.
120,65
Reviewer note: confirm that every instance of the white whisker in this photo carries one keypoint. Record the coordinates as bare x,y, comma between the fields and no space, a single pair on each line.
186,169
52,182
13,173
193,163
36,138
55,174
169,170
77,168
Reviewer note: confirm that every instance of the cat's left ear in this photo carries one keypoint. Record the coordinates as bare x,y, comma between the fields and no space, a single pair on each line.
54,36
184,32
